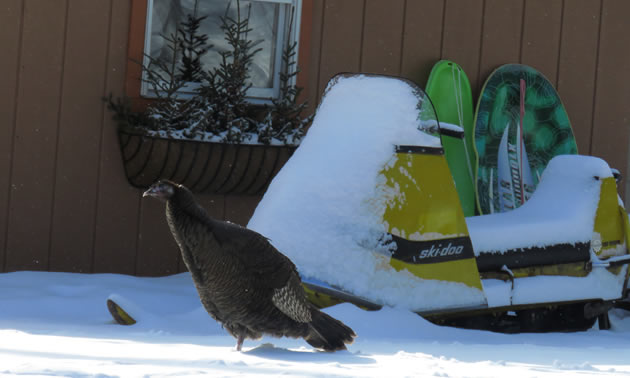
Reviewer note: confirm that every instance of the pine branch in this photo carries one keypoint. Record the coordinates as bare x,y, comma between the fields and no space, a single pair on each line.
284,117
194,46
226,86
124,117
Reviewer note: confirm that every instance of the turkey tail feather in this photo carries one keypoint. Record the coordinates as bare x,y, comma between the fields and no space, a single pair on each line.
328,333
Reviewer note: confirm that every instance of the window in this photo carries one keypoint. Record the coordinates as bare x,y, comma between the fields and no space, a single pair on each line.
269,21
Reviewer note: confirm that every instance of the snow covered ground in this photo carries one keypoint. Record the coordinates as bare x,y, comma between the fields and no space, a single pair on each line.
57,324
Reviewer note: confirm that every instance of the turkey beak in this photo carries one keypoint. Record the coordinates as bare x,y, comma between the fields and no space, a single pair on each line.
151,192
160,191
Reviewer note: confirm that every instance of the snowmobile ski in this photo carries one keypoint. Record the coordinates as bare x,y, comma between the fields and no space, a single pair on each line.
323,295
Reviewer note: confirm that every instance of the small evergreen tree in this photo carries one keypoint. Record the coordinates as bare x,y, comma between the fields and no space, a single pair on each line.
283,120
167,112
220,106
193,45
224,89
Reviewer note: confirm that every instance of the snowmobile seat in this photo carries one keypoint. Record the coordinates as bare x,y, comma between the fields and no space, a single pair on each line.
563,253
554,227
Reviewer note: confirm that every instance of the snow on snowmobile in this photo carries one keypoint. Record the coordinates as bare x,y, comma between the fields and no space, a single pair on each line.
375,220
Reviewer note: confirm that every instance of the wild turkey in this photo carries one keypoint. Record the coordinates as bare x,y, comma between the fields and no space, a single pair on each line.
243,281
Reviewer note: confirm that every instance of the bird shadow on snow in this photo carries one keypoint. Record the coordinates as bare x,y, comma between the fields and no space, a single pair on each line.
270,351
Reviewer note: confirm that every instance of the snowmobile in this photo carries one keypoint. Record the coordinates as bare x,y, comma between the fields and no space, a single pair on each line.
558,262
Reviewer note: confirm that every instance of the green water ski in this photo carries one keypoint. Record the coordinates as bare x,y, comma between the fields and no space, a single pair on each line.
449,90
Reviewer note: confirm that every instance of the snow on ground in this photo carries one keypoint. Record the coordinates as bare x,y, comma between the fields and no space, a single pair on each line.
57,324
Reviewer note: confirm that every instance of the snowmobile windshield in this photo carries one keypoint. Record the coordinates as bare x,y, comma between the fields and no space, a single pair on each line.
423,114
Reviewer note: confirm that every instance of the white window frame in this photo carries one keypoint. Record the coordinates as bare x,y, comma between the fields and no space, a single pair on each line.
254,95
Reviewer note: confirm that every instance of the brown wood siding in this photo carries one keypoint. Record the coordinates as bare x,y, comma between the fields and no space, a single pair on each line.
422,38
611,118
65,203
340,44
540,42
78,148
462,37
501,36
577,66
382,43
117,204
35,139
10,40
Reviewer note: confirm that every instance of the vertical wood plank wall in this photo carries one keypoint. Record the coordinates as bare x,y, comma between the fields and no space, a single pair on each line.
65,204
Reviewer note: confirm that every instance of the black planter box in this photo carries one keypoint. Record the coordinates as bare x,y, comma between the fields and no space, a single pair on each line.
203,167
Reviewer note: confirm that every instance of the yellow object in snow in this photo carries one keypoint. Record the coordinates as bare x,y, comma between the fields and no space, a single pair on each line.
120,316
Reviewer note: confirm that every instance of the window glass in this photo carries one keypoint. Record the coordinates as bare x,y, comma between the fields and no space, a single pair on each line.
267,21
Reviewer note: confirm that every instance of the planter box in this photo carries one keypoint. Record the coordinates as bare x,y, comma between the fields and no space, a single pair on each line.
203,167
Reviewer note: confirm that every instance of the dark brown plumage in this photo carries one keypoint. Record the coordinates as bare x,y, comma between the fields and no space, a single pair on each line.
243,281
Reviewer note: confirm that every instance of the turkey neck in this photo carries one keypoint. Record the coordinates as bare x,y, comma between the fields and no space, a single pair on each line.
183,202
182,208
186,218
